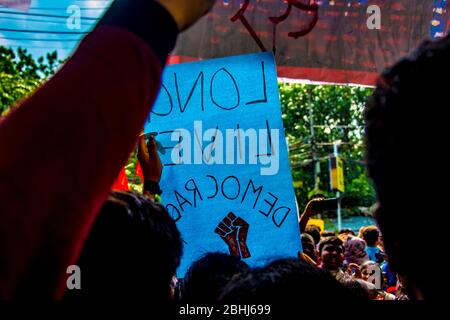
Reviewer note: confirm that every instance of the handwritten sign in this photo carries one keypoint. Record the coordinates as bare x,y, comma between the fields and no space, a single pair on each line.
226,177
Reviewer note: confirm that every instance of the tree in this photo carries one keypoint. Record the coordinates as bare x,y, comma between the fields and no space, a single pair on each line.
337,114
20,74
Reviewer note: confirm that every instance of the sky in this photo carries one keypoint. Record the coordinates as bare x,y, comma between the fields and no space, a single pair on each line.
40,32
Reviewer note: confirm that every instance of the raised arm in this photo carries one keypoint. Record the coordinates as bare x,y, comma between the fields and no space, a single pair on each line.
62,148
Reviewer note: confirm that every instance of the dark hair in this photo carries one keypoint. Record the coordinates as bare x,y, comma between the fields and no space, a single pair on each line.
327,234
347,231
371,235
132,251
286,282
208,276
317,196
306,237
308,246
356,289
407,110
314,231
332,241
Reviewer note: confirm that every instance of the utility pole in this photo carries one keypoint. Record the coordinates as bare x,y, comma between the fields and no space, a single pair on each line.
313,140
338,194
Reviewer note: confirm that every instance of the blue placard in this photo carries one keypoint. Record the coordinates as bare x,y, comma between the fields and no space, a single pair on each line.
226,177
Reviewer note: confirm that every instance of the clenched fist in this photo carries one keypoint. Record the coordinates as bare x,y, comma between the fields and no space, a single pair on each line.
187,12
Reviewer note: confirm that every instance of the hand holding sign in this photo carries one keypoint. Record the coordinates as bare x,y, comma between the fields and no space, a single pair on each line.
233,231
149,159
151,166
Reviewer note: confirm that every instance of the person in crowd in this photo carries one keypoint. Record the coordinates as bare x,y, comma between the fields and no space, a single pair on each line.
360,231
344,234
314,232
151,166
405,128
372,273
309,247
207,276
347,232
316,205
327,234
132,252
133,241
355,251
310,210
331,253
389,276
371,235
73,135
284,283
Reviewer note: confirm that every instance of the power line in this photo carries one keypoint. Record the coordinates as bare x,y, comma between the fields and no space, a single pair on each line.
36,20
337,126
62,8
43,31
341,143
45,15
34,39
51,9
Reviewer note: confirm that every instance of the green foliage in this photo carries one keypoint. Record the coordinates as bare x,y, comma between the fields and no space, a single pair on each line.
337,115
134,181
20,74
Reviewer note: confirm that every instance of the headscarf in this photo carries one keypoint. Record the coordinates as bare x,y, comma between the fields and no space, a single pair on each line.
355,250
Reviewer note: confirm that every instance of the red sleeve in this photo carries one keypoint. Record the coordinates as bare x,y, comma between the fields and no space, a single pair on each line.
60,152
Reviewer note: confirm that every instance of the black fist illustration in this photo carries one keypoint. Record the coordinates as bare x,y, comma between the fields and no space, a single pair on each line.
233,230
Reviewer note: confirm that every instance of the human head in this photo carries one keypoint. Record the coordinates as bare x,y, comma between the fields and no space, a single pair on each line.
331,252
132,251
208,276
308,246
314,232
405,126
327,234
355,250
356,288
317,196
347,231
371,235
285,281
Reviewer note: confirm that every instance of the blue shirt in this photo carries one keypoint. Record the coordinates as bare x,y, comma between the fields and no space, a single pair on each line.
372,251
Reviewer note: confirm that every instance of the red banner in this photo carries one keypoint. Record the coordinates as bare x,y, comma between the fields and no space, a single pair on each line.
22,5
121,183
341,41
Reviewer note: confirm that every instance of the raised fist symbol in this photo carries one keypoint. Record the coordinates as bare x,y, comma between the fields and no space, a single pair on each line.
233,231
